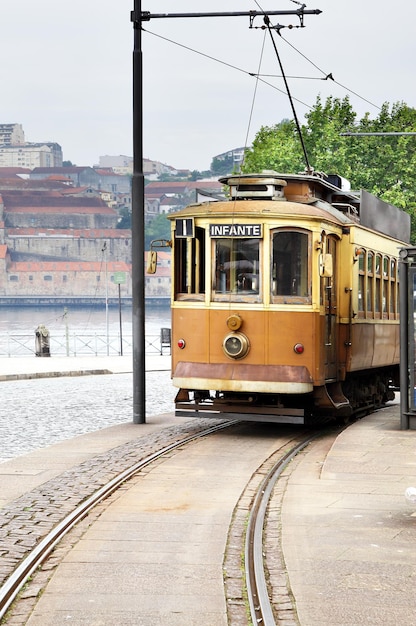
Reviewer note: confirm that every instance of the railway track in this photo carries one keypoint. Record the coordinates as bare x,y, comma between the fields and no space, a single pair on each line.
256,577
255,569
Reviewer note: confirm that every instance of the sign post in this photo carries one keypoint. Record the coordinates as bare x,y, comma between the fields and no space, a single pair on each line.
120,279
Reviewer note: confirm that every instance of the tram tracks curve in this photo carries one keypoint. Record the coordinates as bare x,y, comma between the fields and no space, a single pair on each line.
256,583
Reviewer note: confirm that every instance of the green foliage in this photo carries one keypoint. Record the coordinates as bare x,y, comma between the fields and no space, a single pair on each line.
159,228
124,220
222,167
383,165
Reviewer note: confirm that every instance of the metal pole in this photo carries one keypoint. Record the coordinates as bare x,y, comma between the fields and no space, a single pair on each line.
138,313
106,303
404,341
119,317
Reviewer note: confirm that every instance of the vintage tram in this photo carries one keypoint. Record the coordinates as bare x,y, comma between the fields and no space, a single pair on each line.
285,300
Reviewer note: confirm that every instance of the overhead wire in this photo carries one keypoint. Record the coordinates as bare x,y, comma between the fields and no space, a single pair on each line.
254,98
328,76
234,67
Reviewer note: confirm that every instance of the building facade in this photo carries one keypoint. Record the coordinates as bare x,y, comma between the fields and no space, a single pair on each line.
31,155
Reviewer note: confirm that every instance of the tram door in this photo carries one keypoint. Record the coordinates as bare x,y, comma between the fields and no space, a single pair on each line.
329,295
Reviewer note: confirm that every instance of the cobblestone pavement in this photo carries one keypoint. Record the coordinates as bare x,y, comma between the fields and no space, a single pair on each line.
40,412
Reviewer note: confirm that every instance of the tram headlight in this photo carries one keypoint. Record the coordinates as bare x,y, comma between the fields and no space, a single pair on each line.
236,345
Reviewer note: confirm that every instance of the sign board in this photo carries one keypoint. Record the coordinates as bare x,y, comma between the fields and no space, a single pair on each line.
184,227
235,230
119,278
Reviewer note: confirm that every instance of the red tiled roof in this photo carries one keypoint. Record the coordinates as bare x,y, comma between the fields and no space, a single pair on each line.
82,233
73,169
3,251
205,184
65,266
106,172
11,172
175,187
79,210
169,201
21,198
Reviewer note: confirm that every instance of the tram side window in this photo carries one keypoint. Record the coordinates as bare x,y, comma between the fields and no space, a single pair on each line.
290,266
377,285
361,282
394,310
378,297
190,267
370,283
385,296
236,268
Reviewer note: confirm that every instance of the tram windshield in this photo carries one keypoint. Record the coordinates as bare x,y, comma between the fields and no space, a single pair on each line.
236,269
290,266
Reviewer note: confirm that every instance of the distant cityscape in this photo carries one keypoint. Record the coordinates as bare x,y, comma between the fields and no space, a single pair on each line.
65,230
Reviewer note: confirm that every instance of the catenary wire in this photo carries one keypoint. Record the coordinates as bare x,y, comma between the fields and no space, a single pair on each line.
234,67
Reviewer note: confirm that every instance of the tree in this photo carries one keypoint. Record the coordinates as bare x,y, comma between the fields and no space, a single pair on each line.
158,228
124,220
222,167
383,165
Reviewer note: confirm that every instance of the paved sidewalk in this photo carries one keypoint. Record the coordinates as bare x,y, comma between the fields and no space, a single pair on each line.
349,535
12,368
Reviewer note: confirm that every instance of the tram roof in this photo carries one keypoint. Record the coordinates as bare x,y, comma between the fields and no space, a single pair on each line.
265,208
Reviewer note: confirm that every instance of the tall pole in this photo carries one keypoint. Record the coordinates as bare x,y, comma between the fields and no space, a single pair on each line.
106,301
119,319
137,227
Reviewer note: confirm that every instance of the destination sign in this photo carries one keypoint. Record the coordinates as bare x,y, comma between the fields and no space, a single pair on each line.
235,230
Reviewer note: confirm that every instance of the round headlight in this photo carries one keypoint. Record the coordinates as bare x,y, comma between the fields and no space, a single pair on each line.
236,345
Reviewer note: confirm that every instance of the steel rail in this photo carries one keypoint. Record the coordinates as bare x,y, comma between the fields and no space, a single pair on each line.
260,606
16,581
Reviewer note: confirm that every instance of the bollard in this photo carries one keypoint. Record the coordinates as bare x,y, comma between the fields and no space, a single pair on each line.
42,344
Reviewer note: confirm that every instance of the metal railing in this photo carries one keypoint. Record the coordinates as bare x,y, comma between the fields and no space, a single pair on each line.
82,344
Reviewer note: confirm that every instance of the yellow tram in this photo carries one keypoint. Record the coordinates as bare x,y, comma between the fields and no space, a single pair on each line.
285,300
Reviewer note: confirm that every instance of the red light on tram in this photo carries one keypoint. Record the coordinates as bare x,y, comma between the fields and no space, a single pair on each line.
299,348
181,343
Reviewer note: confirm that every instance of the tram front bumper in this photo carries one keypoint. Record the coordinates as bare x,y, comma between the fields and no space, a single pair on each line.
240,377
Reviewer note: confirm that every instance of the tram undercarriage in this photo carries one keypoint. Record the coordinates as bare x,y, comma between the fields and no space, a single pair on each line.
360,394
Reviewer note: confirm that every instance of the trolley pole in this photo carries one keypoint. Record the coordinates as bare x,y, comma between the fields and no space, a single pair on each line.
137,236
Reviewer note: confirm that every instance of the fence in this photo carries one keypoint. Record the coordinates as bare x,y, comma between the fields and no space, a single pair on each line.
82,344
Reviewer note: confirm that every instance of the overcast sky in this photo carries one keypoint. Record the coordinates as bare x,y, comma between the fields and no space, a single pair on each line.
66,71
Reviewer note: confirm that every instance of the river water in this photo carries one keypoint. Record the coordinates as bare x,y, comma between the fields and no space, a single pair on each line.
78,330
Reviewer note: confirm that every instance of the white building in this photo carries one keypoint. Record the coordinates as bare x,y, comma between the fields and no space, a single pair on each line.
11,134
31,155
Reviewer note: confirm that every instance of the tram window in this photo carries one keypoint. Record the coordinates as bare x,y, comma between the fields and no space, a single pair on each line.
236,269
190,267
385,286
370,285
290,266
377,303
393,288
361,282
